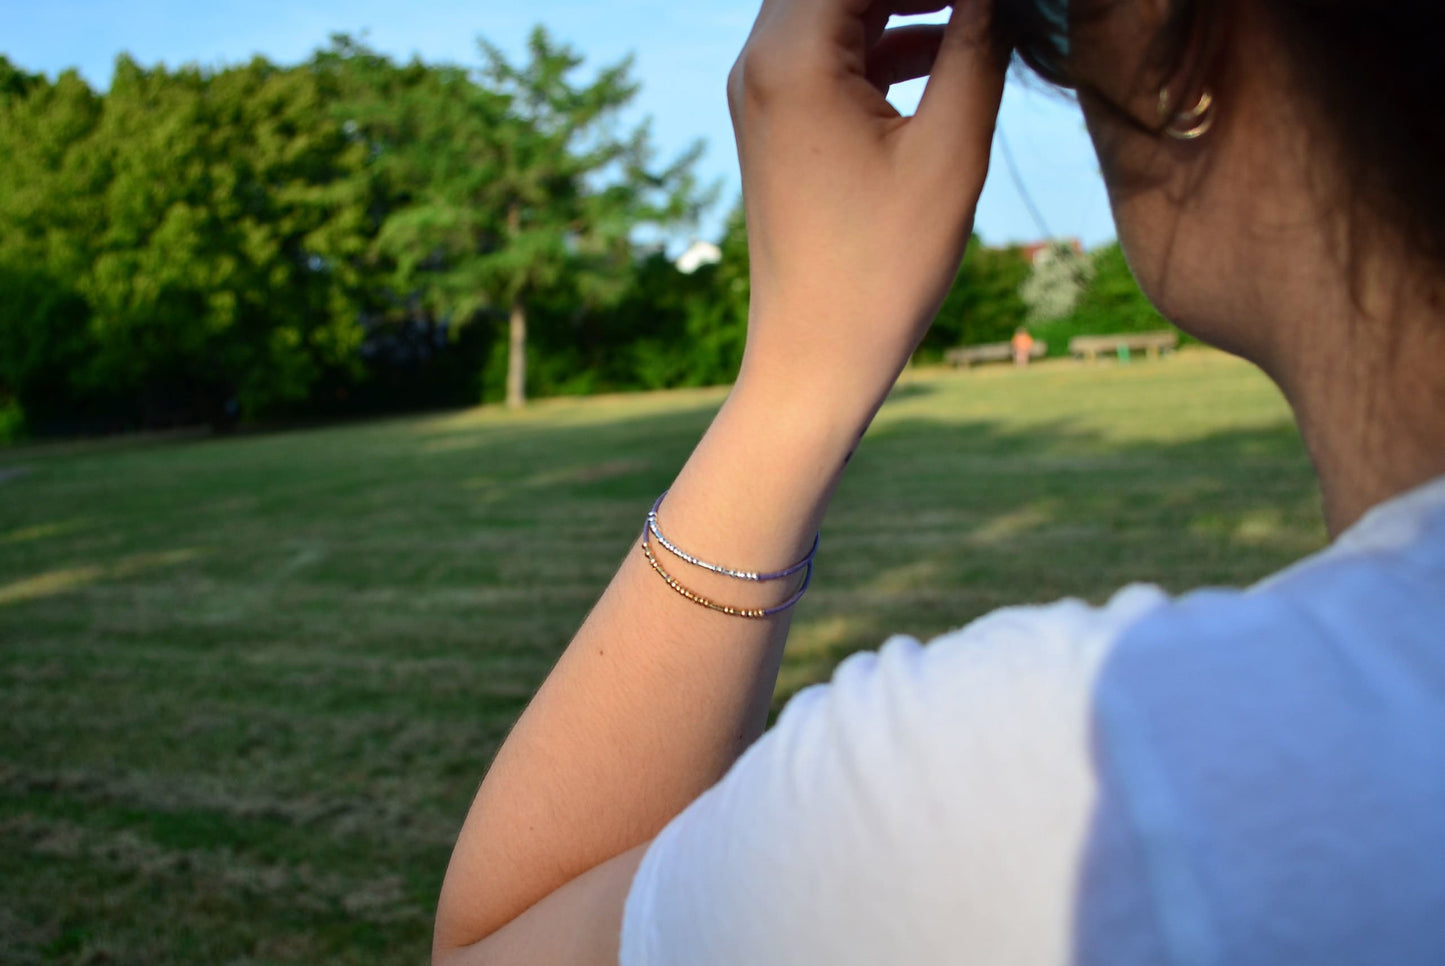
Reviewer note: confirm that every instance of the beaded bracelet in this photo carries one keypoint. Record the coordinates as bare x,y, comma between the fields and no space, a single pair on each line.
749,575
696,598
756,613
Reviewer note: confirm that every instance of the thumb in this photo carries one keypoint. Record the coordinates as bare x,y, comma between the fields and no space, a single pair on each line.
960,104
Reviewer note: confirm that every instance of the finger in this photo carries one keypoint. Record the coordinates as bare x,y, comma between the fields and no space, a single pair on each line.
908,8
873,15
854,8
796,42
904,53
875,21
876,17
960,104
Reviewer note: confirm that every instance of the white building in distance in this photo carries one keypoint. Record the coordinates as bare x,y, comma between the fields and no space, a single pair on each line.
698,254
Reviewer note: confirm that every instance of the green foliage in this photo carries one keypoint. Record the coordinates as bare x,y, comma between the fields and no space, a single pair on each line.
15,82
356,232
233,218
996,292
51,201
573,192
190,238
1112,302
430,135
1059,276
12,421
718,320
43,340
984,303
513,192
687,329
260,239
681,340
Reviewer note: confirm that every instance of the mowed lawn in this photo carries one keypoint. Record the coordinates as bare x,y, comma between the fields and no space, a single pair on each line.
248,685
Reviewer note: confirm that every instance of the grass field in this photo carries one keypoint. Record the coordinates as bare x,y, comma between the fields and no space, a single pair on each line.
248,685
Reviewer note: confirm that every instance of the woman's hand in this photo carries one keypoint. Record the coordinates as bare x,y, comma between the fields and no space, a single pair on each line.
857,216
857,219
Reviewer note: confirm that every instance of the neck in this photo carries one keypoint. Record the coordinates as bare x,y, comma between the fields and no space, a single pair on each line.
1365,374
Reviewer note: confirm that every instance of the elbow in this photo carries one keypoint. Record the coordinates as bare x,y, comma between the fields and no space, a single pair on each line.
449,953
473,955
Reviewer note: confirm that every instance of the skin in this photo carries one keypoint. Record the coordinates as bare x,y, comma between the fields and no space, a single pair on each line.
857,220
1240,238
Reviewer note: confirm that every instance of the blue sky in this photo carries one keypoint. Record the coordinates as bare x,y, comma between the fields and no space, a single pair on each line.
683,53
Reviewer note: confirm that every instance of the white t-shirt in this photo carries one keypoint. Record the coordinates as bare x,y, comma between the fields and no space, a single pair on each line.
1229,777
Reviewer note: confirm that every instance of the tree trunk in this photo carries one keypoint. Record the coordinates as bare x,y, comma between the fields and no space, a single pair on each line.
517,357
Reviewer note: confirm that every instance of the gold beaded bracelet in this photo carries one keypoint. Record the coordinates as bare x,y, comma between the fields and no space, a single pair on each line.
753,613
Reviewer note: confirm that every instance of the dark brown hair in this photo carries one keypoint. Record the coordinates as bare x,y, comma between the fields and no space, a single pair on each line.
1371,73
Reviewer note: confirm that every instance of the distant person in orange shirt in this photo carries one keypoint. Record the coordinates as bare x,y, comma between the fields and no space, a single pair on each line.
1023,346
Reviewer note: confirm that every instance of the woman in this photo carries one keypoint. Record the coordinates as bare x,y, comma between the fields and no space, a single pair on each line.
1224,777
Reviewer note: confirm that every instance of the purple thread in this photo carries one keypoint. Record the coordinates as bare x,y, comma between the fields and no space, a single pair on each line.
710,604
748,575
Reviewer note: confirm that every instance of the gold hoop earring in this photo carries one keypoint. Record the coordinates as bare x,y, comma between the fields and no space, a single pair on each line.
1188,125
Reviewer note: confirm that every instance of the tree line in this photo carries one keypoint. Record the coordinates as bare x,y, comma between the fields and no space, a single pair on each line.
354,234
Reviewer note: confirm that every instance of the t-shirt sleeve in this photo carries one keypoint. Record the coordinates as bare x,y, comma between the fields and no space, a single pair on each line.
930,804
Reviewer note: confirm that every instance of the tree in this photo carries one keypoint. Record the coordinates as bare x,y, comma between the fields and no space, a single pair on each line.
1111,303
568,193
51,186
984,304
669,328
430,134
232,221
1059,276
192,242
717,318
43,342
186,241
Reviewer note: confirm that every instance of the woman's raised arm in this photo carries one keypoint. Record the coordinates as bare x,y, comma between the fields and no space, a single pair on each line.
857,219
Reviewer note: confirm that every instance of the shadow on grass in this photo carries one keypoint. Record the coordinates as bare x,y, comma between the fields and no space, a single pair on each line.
365,611
937,524
911,390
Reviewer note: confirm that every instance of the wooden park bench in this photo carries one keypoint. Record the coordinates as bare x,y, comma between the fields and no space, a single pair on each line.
967,355
1154,343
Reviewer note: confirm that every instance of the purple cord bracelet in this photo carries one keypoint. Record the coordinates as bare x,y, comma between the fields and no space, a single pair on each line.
650,529
749,575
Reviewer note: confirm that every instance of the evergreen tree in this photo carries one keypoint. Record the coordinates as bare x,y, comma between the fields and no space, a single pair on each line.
569,193
430,134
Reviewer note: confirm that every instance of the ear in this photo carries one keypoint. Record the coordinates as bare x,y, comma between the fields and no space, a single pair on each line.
1129,52
1190,61
1158,10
